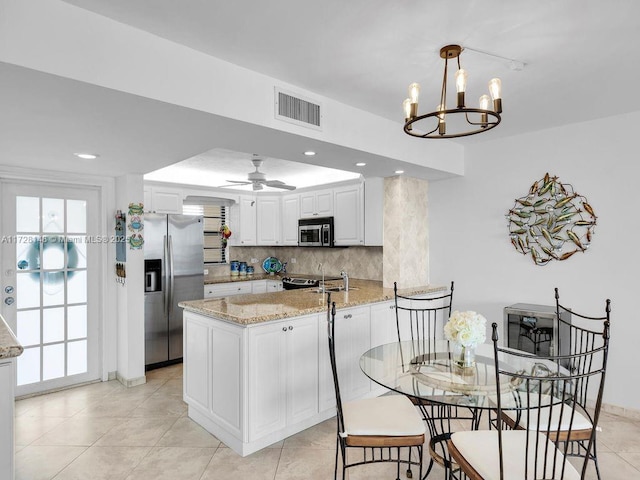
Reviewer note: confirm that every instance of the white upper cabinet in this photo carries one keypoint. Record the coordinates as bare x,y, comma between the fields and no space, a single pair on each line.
348,215
317,203
268,229
162,199
290,216
247,220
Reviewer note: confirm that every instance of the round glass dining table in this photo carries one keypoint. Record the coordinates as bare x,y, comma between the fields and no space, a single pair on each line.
427,373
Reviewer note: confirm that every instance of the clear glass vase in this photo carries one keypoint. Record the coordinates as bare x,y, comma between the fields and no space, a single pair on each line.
464,357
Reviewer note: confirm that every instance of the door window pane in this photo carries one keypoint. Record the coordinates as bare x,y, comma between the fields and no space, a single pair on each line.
27,252
28,323
76,216
76,252
52,288
29,366
52,252
27,290
77,289
53,361
52,325
52,215
76,357
27,214
77,322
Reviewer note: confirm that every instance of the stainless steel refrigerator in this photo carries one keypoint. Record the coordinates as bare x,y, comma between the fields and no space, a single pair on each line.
174,272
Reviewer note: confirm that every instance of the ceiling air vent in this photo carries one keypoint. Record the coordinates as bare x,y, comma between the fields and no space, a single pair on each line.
293,108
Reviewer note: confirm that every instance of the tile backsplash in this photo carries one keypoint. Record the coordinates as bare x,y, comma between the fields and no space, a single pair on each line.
359,262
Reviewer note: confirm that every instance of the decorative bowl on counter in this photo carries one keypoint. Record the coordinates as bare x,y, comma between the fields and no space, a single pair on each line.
271,265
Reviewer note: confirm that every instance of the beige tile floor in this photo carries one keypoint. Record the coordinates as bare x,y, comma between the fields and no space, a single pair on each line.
106,431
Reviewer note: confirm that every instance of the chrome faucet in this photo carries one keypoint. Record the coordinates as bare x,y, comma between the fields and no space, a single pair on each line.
345,279
321,267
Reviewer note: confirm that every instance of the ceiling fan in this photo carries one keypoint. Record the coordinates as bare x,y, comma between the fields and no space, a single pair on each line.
259,179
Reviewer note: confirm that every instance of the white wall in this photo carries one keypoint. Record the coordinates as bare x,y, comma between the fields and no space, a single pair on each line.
470,245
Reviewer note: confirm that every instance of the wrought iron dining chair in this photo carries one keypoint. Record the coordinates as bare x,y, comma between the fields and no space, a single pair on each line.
547,406
574,339
421,321
379,427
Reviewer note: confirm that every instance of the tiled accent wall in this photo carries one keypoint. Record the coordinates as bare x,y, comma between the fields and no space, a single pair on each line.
359,262
406,240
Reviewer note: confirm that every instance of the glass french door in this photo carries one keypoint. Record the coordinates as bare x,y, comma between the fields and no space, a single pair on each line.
50,280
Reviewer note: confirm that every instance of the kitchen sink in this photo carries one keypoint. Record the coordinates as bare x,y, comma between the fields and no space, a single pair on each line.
331,289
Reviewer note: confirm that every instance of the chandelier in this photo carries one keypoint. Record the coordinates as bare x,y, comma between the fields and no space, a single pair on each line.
453,122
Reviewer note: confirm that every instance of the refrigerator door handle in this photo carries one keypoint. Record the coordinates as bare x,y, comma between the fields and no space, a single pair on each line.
171,276
167,286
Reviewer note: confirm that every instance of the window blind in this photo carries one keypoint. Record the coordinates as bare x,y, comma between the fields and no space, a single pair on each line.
214,216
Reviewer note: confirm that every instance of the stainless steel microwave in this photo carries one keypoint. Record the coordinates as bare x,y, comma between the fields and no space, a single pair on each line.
315,232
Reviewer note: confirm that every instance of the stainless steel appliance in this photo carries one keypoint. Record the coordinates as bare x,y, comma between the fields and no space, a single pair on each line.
296,281
174,272
315,232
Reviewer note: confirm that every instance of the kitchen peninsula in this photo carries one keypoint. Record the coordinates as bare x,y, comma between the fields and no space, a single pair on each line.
256,367
10,348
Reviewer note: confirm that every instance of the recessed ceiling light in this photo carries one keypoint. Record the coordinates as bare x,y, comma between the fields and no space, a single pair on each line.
360,164
309,153
87,156
399,171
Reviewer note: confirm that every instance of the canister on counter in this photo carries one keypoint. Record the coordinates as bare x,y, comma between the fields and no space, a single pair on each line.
234,266
250,269
243,268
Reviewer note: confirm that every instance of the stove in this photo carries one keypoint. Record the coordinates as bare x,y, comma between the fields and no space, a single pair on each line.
291,283
304,281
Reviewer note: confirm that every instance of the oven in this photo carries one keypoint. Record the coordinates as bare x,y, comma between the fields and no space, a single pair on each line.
315,232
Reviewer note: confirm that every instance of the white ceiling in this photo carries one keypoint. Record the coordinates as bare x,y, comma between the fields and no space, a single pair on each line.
580,63
218,166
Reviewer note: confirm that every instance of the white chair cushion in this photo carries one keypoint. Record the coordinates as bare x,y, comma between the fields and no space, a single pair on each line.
480,449
392,415
580,422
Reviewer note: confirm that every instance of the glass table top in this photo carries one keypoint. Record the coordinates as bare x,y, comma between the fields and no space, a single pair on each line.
429,372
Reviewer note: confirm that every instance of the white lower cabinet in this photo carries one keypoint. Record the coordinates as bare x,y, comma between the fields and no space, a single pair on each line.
7,442
217,290
352,339
283,374
252,386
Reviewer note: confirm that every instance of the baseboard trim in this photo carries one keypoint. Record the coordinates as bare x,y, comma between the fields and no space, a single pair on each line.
131,382
629,413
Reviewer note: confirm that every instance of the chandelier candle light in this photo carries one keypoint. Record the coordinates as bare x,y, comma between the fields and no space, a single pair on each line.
465,331
480,119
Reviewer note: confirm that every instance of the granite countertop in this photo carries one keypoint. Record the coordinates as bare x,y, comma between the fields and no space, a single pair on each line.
9,346
257,308
242,278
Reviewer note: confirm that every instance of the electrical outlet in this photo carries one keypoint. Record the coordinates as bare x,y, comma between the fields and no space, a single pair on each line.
206,272
254,260
293,260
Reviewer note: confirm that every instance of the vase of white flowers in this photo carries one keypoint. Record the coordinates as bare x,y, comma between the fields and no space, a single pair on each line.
465,331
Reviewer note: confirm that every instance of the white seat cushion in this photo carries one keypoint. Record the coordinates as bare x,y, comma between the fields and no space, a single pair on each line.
560,417
392,415
480,449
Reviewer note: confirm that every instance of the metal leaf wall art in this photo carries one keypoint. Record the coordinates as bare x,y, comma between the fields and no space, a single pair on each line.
552,222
